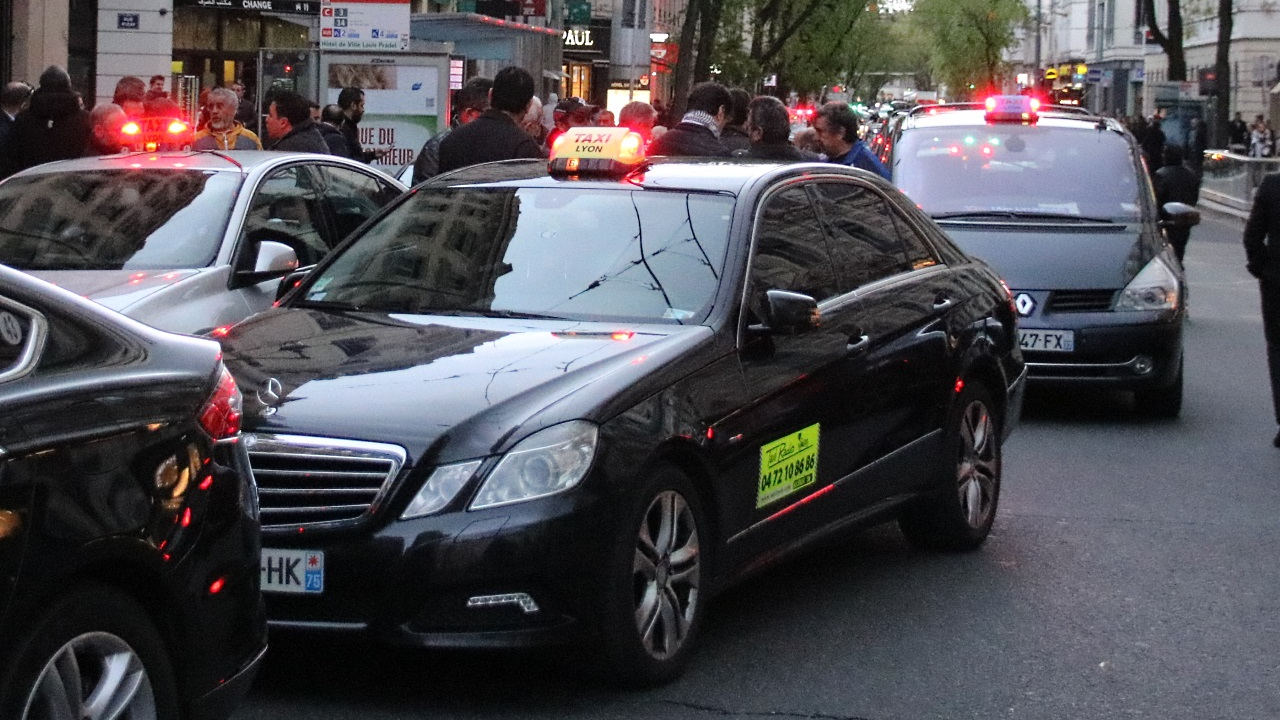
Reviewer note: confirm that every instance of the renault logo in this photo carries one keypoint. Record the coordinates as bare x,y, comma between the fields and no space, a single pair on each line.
269,393
1025,304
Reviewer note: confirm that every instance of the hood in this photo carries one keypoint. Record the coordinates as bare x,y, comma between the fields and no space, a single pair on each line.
53,105
417,380
1093,257
117,289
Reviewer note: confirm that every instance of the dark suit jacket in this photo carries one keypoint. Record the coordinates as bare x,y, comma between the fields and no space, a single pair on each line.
491,136
1262,231
690,140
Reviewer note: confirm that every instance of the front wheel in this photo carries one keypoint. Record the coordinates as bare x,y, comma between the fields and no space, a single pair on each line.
653,602
960,516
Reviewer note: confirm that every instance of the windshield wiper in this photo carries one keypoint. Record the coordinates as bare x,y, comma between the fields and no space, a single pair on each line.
1020,215
510,314
326,305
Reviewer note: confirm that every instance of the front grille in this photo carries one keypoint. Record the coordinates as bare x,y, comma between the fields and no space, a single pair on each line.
309,482
1068,301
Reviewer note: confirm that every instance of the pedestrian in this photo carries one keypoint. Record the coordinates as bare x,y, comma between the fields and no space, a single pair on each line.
131,95
1259,138
698,132
1197,142
837,128
1262,252
1238,134
155,89
330,127
806,139
605,118
247,113
469,102
1153,141
734,135
569,113
224,131
351,100
768,128
496,134
12,101
639,117
54,126
1175,182
532,122
289,124
107,134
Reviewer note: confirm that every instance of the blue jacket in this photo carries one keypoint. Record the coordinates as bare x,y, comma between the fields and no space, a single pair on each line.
861,157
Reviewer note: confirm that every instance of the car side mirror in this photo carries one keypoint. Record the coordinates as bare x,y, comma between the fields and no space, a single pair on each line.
272,259
1180,215
789,313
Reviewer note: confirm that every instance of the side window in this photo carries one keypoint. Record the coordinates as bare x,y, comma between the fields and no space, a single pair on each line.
865,241
790,251
351,197
917,250
286,208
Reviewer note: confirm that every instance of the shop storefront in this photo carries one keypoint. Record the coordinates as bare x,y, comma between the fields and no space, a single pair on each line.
586,61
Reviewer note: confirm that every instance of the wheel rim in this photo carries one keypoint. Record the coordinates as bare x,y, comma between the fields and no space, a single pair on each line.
978,468
95,676
665,574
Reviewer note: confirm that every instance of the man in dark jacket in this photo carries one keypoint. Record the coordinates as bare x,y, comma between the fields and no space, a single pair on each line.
469,102
289,124
330,125
13,99
108,137
496,133
1175,182
1262,252
734,135
837,129
1153,141
351,100
769,128
698,132
53,127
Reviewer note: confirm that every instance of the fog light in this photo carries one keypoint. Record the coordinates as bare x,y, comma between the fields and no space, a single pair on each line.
522,600
1143,364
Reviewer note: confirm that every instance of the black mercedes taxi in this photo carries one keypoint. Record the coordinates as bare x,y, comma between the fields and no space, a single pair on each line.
538,402
1058,201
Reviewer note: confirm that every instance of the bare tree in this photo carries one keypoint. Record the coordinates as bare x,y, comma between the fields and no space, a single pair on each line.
1222,71
1170,43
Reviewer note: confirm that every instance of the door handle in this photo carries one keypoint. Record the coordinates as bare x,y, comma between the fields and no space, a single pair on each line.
858,344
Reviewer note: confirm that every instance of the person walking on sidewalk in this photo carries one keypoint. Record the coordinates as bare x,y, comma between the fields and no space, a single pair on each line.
1262,253
1175,182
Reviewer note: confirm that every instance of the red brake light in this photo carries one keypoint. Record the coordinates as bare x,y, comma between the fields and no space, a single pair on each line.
991,104
131,128
221,414
177,127
1035,105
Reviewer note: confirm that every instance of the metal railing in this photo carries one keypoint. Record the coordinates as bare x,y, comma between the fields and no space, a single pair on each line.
1231,179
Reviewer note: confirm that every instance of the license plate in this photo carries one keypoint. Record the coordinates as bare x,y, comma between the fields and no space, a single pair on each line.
1047,340
292,571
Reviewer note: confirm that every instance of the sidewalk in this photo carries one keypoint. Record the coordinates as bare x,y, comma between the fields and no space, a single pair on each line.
1210,206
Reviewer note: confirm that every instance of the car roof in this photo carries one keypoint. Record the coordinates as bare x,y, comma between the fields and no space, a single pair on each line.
728,175
978,118
236,161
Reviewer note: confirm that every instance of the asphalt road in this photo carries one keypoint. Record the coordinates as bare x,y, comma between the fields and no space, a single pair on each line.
1132,573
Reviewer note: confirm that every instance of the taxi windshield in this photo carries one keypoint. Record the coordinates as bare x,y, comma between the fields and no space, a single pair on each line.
1021,170
640,256
114,219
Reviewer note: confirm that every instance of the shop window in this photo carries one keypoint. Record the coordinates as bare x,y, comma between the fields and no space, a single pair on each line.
194,28
280,33
240,33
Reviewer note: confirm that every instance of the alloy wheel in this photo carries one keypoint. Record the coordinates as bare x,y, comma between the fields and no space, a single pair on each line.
977,467
666,573
95,676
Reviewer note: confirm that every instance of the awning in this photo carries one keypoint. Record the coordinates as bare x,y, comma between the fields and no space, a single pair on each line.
461,27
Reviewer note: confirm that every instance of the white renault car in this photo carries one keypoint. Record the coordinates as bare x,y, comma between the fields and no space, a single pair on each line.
184,241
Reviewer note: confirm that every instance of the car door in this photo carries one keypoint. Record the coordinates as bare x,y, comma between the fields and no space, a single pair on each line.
350,197
904,298
22,332
790,427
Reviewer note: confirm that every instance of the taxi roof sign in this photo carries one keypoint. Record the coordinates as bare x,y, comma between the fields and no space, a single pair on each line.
1013,108
596,151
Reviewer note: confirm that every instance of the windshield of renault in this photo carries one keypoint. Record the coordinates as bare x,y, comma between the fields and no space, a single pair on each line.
1019,171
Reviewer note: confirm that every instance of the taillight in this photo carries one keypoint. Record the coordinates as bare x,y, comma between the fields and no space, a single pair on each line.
177,127
221,414
131,128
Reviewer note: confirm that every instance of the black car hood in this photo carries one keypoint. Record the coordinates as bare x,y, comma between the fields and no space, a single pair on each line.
1031,257
414,380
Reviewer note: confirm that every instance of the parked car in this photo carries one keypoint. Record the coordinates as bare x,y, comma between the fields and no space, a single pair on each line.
184,241
1058,201
129,532
545,403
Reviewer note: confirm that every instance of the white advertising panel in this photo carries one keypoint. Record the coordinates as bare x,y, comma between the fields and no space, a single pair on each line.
364,25
405,99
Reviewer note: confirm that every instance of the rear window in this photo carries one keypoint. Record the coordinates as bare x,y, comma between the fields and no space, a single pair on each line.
1032,169
115,219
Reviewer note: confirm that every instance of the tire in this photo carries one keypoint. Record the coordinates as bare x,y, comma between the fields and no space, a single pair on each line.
959,517
104,642
652,600
1165,402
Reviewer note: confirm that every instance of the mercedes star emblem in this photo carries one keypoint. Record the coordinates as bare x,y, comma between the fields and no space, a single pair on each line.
269,393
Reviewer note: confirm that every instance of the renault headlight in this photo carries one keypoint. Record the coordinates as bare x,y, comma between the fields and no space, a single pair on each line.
1154,288
440,488
545,463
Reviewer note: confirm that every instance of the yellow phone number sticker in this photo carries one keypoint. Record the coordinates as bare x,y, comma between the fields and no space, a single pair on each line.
787,465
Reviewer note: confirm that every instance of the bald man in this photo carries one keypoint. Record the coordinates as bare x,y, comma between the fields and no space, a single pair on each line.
106,139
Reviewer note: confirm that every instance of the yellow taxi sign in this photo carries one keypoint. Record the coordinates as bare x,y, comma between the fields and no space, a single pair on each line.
596,150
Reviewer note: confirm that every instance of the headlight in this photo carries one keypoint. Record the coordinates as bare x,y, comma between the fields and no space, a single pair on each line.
440,488
547,462
1154,288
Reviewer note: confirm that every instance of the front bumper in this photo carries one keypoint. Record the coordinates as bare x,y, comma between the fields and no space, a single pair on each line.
516,576
223,700
1125,351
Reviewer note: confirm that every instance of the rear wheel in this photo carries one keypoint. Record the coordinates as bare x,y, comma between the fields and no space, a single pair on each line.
95,655
1164,402
653,600
960,516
